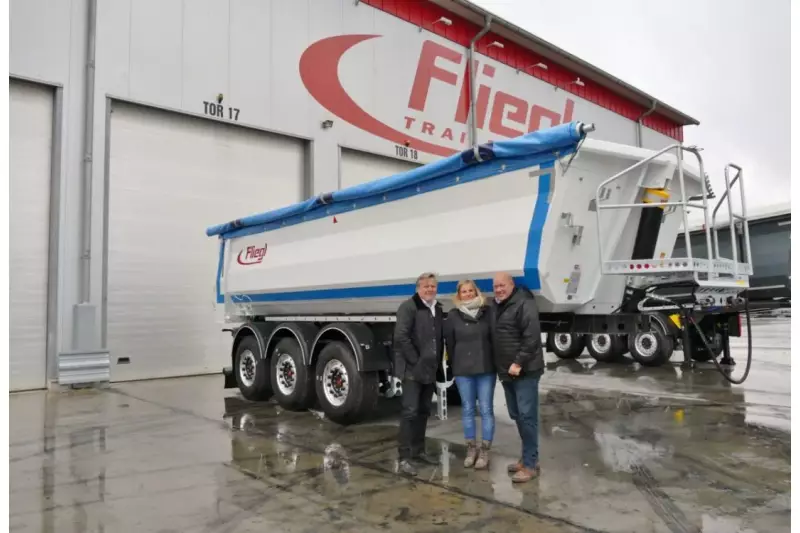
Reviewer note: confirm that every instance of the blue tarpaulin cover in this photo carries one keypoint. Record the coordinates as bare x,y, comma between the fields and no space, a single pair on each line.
556,139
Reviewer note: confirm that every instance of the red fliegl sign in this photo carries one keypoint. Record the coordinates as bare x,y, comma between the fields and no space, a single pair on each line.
509,115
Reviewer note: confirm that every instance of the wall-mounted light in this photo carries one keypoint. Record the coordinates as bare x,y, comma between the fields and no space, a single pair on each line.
498,44
577,81
327,124
442,20
537,65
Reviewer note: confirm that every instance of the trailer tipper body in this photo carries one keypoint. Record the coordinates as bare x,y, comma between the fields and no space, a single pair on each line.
588,226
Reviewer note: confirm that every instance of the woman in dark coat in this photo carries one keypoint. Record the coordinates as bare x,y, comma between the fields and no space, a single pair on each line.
469,352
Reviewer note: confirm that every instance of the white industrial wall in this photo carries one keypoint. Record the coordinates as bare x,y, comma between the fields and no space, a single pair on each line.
356,166
31,116
179,56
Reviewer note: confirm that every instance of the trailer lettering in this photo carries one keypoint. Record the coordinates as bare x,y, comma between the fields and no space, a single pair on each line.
252,255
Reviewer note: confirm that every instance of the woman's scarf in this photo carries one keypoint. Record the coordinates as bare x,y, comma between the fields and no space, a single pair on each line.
471,307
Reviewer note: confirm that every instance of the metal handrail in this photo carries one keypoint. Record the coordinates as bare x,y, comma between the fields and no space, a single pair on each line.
729,183
684,203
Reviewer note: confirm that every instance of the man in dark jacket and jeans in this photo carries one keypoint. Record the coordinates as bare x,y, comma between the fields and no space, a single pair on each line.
418,347
519,358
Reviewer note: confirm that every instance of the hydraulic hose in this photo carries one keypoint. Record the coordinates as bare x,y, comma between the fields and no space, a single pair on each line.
749,347
708,347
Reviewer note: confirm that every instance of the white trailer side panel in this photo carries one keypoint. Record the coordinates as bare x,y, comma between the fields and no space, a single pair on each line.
171,176
360,167
30,135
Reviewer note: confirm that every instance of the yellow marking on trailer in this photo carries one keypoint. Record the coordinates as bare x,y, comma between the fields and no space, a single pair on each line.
676,319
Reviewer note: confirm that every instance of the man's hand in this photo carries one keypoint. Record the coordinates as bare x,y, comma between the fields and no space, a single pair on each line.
514,370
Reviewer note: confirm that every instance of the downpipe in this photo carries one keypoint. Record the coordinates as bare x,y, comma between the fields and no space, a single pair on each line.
84,313
88,157
473,126
639,123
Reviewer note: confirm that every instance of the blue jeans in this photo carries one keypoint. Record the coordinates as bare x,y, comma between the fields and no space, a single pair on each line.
522,397
479,387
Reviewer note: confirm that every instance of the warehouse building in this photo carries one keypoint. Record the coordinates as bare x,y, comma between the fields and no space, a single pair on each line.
136,124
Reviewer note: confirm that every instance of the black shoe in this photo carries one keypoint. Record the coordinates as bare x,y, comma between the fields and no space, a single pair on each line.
407,468
427,459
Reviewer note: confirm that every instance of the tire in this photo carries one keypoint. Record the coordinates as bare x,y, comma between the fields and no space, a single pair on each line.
605,348
251,371
651,348
345,395
292,381
566,345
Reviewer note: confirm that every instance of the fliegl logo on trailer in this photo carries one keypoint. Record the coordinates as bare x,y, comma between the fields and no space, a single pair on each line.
252,255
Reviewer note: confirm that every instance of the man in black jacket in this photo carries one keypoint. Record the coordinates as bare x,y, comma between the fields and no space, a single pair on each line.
519,358
418,347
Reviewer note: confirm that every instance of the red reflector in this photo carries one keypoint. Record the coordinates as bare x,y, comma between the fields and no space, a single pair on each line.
334,220
631,267
639,267
647,266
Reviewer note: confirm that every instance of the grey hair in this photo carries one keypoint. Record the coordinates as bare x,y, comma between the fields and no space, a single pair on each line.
425,276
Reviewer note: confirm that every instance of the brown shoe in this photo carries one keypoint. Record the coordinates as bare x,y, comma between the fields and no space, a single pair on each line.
515,467
472,454
524,475
483,455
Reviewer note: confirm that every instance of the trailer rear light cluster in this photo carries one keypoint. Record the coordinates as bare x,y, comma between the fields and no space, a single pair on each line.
639,266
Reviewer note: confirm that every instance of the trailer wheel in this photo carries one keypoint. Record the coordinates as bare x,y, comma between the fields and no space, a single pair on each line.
653,347
345,394
605,348
566,345
292,381
251,371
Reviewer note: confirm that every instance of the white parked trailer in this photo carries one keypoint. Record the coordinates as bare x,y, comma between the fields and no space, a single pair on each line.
588,226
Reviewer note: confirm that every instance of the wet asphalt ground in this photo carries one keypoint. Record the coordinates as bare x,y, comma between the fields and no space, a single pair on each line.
622,449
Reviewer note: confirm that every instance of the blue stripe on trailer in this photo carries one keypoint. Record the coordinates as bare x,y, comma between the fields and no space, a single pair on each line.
540,209
378,291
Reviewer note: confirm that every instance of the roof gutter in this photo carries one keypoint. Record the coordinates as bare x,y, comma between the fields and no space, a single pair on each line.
473,125
640,121
686,119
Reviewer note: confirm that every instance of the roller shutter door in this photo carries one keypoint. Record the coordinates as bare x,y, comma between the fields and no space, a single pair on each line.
30,154
170,177
359,167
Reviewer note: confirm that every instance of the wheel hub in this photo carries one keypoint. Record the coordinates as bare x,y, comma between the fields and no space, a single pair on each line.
646,344
336,383
563,341
601,343
247,368
286,373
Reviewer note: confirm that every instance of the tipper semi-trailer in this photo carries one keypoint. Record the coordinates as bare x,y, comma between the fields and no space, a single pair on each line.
309,291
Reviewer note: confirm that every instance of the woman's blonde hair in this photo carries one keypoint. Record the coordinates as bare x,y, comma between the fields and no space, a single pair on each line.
457,300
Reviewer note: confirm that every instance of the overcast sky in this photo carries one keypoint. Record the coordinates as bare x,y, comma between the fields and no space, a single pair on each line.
723,62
